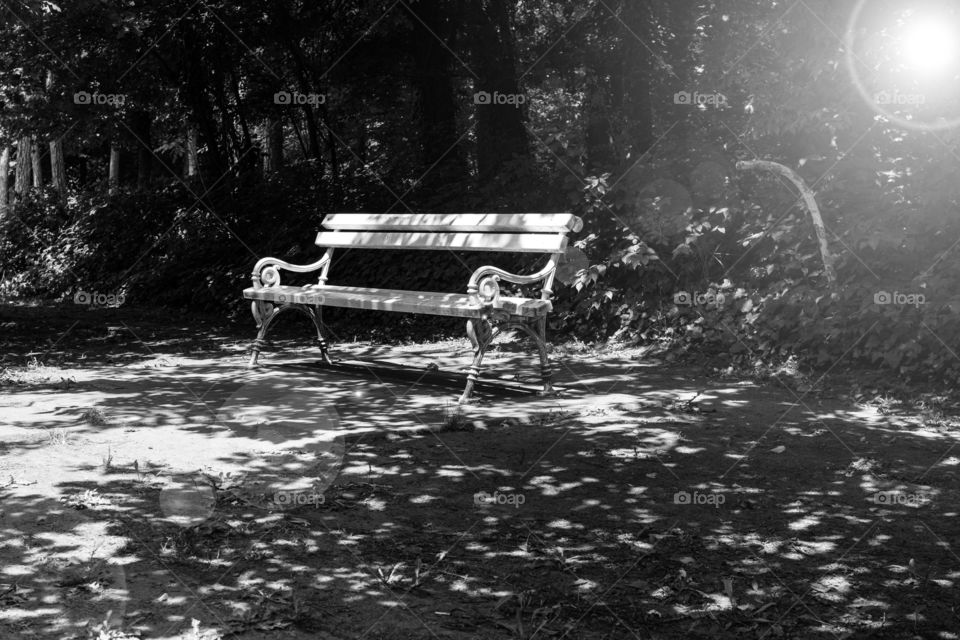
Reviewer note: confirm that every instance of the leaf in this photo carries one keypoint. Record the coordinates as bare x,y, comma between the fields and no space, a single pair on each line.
682,250
574,261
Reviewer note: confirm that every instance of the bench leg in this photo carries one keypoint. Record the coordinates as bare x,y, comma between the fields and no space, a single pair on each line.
264,314
480,334
546,373
314,313
538,332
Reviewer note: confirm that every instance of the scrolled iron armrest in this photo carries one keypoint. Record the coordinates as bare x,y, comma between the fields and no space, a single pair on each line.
484,282
266,273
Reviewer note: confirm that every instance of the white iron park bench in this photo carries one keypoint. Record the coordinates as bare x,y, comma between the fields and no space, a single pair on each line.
481,305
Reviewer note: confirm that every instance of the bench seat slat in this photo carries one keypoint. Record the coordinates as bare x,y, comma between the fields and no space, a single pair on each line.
458,305
505,242
456,222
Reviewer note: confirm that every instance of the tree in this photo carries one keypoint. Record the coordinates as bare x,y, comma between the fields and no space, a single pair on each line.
431,41
58,171
24,165
4,179
501,129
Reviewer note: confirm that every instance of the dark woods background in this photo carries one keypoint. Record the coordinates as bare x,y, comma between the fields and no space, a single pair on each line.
157,149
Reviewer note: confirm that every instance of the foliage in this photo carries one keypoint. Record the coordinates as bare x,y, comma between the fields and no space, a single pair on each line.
603,129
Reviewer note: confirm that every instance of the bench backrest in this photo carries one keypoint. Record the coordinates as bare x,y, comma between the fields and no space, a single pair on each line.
504,232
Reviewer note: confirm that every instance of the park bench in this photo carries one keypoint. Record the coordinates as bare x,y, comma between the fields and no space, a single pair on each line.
482,305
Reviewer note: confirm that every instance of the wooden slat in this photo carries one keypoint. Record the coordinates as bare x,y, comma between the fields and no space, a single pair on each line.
456,222
506,242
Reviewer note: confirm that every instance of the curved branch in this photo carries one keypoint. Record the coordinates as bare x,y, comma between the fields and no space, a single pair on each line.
808,198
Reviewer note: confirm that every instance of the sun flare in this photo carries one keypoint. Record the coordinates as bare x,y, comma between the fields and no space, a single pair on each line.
930,46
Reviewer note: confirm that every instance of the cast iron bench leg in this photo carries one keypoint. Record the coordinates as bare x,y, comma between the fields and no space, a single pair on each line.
480,334
314,313
538,331
546,373
264,314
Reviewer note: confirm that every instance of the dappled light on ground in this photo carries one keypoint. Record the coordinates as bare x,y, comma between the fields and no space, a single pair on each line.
305,501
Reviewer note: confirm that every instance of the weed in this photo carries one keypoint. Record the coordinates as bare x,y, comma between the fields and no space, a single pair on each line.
58,437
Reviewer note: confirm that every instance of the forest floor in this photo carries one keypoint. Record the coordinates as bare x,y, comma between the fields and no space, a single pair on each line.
153,487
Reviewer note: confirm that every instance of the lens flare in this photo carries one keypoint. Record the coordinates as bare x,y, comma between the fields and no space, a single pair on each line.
905,71
929,46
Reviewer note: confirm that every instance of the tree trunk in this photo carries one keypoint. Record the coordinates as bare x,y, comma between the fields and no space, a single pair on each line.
301,69
501,134
602,96
195,77
58,172
634,74
682,18
234,147
140,125
190,160
4,179
599,137
313,137
330,143
437,99
22,182
272,144
113,181
35,162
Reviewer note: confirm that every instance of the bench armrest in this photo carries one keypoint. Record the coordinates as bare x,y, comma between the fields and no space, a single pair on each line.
266,273
484,281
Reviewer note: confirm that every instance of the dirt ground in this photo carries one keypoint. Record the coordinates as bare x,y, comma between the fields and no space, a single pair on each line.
153,487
